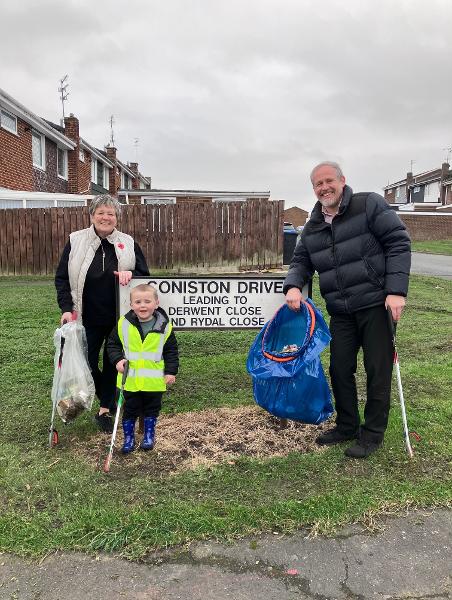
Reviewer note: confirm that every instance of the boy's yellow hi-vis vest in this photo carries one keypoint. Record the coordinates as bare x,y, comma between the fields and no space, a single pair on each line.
145,358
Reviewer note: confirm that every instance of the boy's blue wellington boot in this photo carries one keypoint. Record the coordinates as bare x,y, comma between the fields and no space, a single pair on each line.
149,433
129,436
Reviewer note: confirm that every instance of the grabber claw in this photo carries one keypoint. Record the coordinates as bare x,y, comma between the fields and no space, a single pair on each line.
53,437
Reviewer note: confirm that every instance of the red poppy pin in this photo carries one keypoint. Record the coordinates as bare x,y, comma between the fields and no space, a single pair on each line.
121,246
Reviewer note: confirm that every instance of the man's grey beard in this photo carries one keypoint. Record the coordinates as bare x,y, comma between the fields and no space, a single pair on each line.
330,203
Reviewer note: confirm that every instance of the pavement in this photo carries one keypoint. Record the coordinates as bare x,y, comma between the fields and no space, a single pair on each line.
437,265
407,556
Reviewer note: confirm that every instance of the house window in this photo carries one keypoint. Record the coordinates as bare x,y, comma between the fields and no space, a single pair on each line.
62,163
123,187
106,178
156,201
397,192
94,170
81,154
38,149
100,174
416,190
8,121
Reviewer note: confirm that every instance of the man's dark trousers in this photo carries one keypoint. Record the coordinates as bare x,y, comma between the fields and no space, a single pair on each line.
369,329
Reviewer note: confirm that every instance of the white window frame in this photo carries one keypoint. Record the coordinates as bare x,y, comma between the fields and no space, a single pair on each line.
81,155
155,201
106,178
122,180
63,175
41,165
9,116
93,170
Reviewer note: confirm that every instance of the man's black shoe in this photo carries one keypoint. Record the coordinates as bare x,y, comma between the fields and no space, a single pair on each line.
334,436
362,449
105,422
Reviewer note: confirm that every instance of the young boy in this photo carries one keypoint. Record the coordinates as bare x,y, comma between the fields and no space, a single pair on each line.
144,337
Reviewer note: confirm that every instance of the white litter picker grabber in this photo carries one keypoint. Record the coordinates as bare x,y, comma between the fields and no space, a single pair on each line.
53,433
107,462
399,385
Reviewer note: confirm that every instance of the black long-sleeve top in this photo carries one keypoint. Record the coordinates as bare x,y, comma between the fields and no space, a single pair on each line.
99,292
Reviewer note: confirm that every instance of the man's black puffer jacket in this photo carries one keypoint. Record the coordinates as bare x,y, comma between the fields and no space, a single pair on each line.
363,256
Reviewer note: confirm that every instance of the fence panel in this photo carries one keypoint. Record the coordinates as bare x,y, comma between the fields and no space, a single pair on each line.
185,236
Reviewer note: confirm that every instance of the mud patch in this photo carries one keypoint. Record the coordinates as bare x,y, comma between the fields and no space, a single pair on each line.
186,441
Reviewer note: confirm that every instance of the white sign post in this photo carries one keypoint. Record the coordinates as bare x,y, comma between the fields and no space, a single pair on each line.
213,302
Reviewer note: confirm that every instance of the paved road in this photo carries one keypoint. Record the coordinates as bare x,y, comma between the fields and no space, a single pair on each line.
410,557
431,264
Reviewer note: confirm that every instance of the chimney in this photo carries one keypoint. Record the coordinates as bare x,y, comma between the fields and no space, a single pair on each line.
136,179
409,186
115,178
445,172
71,130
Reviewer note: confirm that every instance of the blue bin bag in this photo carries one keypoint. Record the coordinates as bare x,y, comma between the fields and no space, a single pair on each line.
292,385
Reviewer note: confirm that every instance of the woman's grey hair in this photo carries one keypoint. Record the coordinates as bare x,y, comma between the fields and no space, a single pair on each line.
327,163
105,200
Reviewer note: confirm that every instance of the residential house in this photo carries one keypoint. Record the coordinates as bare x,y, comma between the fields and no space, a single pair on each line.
157,196
33,154
428,190
296,215
37,155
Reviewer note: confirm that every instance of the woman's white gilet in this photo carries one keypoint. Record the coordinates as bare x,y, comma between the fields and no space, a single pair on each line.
84,244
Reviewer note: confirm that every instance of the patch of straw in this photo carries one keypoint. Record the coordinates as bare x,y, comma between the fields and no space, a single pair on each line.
188,440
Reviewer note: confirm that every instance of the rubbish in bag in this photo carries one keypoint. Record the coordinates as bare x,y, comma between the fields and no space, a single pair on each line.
289,348
290,383
73,386
70,407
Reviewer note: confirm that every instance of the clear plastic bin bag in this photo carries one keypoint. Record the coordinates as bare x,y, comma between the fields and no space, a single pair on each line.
73,386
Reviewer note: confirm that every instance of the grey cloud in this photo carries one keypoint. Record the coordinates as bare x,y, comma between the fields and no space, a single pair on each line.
243,94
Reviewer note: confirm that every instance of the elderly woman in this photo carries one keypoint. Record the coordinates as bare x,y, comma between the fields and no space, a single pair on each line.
85,282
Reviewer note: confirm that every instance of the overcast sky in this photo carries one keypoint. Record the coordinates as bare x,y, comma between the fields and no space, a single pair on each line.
243,94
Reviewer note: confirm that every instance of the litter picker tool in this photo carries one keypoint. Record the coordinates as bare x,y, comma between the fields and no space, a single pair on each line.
118,410
399,385
53,433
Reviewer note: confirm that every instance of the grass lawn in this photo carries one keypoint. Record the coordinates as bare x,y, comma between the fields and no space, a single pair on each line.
53,499
433,247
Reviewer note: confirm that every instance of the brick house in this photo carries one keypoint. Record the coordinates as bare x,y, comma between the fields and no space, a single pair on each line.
430,189
33,155
37,155
296,215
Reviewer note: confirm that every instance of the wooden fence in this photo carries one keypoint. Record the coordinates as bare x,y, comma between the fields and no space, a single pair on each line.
189,237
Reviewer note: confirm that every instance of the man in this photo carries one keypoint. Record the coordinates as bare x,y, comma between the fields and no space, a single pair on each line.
361,251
